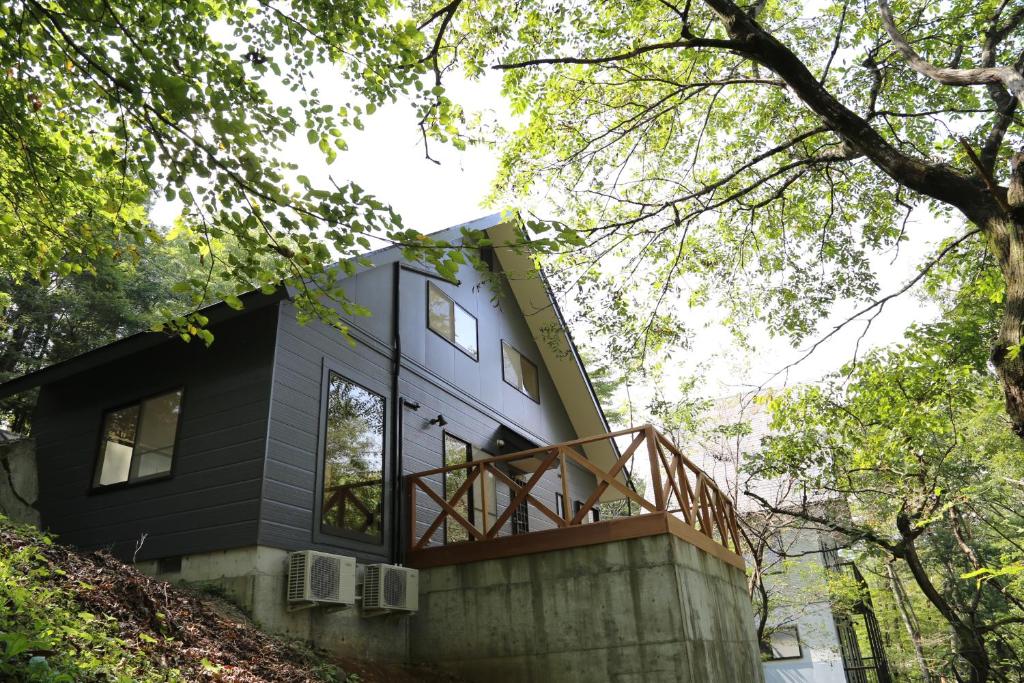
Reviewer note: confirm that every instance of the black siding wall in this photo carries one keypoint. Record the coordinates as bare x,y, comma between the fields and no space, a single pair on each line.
211,501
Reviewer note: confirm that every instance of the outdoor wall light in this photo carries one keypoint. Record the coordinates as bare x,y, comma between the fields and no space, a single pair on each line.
439,421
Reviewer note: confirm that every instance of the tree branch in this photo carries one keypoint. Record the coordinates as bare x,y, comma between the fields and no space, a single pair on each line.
934,180
1006,76
622,56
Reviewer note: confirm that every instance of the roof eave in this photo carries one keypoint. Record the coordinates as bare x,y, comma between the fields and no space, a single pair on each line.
134,343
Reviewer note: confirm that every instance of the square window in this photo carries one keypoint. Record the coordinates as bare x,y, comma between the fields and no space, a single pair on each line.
520,372
782,643
451,321
138,440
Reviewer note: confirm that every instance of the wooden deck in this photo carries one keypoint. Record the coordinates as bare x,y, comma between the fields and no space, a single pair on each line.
683,501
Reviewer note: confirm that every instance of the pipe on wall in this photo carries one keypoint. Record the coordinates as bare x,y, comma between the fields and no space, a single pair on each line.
397,410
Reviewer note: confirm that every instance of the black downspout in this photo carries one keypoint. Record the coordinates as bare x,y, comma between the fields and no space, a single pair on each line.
397,413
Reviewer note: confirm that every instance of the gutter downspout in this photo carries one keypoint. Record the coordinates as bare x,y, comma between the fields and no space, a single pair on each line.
397,410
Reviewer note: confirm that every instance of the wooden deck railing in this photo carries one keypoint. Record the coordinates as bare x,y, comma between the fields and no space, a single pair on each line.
677,487
340,499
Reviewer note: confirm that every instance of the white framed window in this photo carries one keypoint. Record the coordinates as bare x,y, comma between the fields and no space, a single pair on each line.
520,372
138,440
451,321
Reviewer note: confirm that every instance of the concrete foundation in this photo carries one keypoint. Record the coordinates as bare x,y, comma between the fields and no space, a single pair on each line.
255,578
639,611
19,482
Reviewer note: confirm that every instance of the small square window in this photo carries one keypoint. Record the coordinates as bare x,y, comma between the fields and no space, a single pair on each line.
782,643
138,440
520,372
451,321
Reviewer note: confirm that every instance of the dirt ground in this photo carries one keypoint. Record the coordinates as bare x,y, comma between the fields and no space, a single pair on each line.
204,636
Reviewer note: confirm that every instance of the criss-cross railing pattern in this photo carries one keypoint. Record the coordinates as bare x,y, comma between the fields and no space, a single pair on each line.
677,487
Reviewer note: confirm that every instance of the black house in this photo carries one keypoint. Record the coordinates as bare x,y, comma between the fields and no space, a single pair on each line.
459,435
286,436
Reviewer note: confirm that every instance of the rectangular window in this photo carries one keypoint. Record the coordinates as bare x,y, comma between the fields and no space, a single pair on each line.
560,505
353,494
521,515
451,321
138,440
470,506
456,452
783,643
520,372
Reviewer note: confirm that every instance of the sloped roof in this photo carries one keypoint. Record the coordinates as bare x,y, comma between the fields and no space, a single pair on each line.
127,345
529,287
532,292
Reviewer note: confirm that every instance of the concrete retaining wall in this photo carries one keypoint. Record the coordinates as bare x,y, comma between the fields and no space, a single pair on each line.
638,611
19,482
255,579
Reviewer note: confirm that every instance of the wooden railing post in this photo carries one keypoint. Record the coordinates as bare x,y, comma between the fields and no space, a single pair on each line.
484,507
566,506
652,451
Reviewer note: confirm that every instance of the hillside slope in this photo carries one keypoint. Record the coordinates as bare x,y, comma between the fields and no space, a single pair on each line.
69,616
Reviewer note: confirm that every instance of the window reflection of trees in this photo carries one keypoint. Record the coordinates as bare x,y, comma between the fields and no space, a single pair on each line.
456,452
353,459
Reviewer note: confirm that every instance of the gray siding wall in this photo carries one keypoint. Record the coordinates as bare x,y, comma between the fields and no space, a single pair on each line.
470,394
293,463
211,500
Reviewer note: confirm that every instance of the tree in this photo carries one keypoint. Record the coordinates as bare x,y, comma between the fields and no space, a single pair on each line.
721,437
912,438
106,104
771,150
43,322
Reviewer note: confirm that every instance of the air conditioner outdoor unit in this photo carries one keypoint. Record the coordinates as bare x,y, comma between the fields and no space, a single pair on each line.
320,579
388,588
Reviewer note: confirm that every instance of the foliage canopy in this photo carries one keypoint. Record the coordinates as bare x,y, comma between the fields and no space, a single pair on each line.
106,105
764,157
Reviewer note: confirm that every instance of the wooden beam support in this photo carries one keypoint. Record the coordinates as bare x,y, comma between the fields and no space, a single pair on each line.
573,537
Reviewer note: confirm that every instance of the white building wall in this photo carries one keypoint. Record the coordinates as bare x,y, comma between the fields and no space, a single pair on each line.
801,598
797,586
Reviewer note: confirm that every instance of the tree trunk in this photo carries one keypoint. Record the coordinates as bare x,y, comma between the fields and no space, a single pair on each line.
1006,240
970,643
909,620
